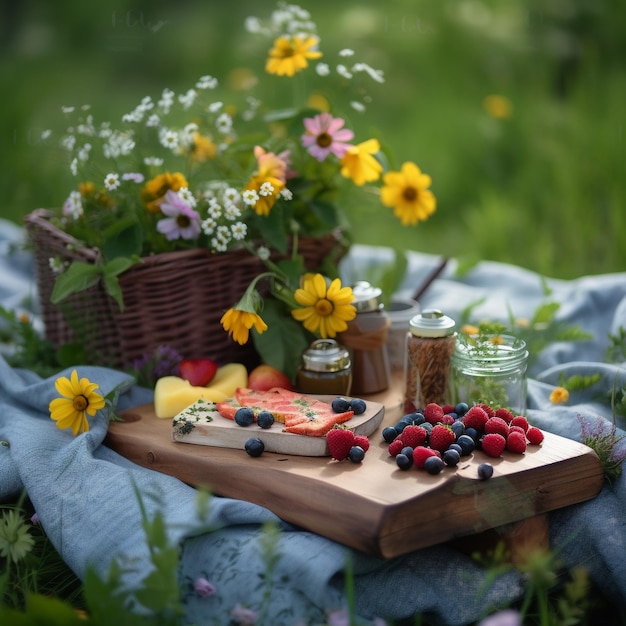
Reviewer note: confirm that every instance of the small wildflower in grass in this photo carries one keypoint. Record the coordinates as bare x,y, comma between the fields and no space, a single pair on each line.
498,107
79,400
243,616
291,54
15,540
204,588
605,444
559,395
325,308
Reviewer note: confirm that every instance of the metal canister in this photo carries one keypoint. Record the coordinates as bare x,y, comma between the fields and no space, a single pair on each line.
325,369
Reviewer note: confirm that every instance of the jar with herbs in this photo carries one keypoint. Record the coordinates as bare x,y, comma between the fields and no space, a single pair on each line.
490,369
429,346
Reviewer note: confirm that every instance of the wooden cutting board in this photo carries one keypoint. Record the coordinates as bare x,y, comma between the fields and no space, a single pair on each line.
373,506
201,424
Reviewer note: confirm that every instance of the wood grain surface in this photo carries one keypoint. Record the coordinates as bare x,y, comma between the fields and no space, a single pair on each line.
373,506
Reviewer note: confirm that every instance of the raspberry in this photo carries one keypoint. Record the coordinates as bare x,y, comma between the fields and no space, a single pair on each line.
516,442
441,437
497,425
505,414
395,447
414,436
448,408
520,420
476,418
487,409
447,420
362,441
493,444
420,455
535,436
433,413
516,429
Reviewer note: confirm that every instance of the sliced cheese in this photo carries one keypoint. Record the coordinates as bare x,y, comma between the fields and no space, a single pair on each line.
173,394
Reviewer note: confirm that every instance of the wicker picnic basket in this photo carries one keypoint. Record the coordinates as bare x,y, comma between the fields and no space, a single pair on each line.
174,299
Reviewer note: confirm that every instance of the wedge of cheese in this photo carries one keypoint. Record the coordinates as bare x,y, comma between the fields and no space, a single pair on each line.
173,394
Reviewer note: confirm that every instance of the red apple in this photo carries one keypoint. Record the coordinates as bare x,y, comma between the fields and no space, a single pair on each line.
199,372
264,377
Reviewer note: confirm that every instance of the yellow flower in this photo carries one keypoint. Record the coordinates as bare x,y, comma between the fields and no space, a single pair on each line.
325,308
559,395
359,164
79,400
289,54
407,193
264,191
156,188
469,329
498,106
238,324
496,340
202,148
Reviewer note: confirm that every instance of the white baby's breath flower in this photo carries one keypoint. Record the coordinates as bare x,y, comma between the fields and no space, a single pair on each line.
250,197
153,161
215,209
188,98
112,181
168,138
231,195
286,194
153,120
342,70
224,123
322,69
74,166
56,265
223,233
266,189
68,142
253,25
186,136
239,231
45,134
263,252
357,106
166,101
231,211
73,206
83,153
186,196
214,107
346,52
207,82
136,177
374,74
218,245
67,110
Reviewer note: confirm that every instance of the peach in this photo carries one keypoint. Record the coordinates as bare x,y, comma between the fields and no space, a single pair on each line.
264,377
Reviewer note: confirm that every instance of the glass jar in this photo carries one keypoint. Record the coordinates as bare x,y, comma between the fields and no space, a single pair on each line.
400,312
490,369
366,337
325,369
429,346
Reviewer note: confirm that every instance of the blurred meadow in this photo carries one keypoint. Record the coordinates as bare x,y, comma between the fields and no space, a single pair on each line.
515,108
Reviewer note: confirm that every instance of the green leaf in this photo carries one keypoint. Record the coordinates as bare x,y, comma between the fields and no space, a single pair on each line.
123,239
78,277
544,314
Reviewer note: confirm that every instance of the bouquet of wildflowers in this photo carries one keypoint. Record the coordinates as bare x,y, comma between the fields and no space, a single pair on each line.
201,169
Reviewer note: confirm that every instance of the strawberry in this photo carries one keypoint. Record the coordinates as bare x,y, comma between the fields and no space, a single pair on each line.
497,425
520,420
199,372
476,417
448,408
433,413
493,444
395,447
441,437
487,409
535,436
516,442
420,454
362,441
505,414
414,436
339,440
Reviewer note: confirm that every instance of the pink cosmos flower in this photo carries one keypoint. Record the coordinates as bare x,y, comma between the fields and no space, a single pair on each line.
182,222
324,134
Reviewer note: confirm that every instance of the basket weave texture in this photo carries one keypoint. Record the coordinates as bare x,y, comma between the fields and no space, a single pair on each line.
174,299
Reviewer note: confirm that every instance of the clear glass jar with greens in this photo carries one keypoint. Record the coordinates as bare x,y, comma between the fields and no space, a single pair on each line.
490,369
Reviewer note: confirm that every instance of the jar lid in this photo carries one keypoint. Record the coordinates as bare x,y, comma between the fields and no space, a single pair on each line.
431,323
366,297
325,355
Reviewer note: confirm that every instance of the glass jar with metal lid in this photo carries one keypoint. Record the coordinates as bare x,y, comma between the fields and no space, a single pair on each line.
429,346
366,337
490,369
325,369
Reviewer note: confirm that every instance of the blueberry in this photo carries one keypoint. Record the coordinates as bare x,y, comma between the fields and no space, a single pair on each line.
356,454
467,444
389,434
407,420
461,409
358,406
403,461
451,457
254,446
418,418
433,465
457,447
427,426
473,433
265,419
244,416
400,426
407,450
485,471
458,428
340,405
453,415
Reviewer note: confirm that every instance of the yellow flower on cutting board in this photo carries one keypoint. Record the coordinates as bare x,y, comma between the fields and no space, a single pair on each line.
325,308
291,54
78,400
407,193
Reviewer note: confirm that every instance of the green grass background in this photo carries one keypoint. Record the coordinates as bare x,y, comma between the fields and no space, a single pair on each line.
544,189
